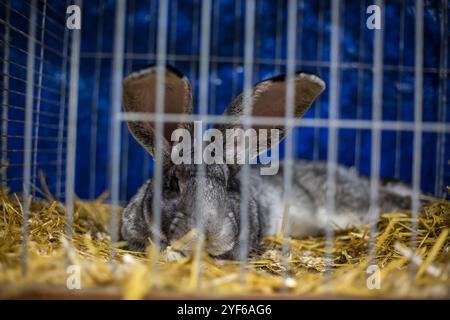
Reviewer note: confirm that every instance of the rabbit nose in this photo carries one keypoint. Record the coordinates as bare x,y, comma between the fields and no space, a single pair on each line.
219,237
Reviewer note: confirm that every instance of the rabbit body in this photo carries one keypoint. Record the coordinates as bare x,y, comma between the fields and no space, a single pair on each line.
307,208
211,201
308,213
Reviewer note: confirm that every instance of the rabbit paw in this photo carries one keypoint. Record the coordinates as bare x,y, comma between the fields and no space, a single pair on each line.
172,255
177,226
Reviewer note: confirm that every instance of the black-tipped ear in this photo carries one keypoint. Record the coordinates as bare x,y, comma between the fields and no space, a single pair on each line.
167,66
283,77
269,100
139,95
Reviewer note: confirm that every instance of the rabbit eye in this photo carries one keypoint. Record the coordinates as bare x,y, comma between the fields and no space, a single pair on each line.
174,185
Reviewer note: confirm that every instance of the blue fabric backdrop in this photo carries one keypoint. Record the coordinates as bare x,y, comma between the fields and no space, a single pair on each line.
226,78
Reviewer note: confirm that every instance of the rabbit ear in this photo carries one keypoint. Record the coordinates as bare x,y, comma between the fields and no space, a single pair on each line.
139,95
269,100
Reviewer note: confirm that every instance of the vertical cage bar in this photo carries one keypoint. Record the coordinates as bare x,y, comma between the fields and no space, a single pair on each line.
360,87
28,132
215,52
278,35
298,37
124,128
316,148
289,121
62,113
161,58
151,52
95,105
334,103
195,32
203,111
39,94
72,127
152,33
247,106
204,56
257,38
173,31
440,157
237,40
5,98
418,102
398,138
116,101
377,109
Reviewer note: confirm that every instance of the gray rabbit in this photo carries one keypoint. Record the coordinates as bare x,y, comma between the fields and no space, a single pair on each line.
218,210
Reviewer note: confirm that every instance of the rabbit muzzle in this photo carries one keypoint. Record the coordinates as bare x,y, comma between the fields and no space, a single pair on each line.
205,205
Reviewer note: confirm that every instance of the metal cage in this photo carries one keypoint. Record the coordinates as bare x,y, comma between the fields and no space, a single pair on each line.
62,125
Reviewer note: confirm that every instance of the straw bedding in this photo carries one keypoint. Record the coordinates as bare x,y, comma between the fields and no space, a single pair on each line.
303,272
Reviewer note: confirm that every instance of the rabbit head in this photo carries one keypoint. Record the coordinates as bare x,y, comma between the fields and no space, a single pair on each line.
201,197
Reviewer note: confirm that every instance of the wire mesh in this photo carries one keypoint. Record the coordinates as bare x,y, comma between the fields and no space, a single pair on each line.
42,107
33,95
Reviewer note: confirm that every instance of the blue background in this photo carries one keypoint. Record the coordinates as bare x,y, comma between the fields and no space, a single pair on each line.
226,80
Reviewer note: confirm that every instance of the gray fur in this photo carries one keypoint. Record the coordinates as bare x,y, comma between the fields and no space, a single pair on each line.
266,206
217,210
